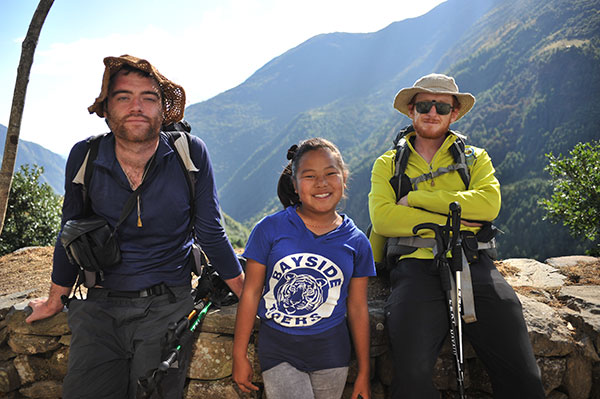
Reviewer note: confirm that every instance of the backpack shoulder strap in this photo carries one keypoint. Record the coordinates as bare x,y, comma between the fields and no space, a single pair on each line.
400,162
179,137
84,174
457,149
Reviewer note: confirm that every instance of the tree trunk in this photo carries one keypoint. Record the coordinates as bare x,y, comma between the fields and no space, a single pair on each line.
16,110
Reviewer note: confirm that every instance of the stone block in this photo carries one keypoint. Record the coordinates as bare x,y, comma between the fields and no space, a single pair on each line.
578,377
573,260
378,390
556,395
477,375
377,324
9,377
6,353
532,273
384,366
3,332
58,363
32,344
33,368
53,326
547,330
586,301
43,390
595,392
220,320
552,370
222,389
212,359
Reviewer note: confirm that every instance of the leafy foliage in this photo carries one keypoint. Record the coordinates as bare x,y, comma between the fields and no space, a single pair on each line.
236,232
576,197
526,233
33,213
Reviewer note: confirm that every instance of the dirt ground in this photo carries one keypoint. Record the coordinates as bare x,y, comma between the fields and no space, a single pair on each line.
30,269
26,269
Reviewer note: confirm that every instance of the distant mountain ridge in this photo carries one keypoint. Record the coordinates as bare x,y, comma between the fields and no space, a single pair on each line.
331,84
32,153
533,66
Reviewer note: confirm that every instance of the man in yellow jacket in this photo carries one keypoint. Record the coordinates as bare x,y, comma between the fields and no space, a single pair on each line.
417,310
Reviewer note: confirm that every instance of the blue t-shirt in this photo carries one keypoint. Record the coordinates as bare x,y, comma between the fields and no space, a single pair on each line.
307,276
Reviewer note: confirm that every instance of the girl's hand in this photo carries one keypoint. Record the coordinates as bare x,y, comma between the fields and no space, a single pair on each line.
244,323
242,375
362,389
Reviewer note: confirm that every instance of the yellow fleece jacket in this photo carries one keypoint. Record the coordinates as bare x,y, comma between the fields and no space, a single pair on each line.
430,202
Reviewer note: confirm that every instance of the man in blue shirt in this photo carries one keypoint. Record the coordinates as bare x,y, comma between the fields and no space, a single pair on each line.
118,330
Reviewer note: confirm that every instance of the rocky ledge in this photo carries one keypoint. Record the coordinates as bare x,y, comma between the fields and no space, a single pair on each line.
561,302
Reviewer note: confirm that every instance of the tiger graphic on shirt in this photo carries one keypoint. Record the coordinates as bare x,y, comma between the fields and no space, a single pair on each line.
303,289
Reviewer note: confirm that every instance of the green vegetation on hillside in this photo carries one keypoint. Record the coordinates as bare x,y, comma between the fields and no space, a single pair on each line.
533,66
575,199
236,232
33,213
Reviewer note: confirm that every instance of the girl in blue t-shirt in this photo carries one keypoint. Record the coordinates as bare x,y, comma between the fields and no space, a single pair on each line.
306,278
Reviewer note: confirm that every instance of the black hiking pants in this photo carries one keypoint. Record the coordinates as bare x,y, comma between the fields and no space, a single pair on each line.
116,340
417,323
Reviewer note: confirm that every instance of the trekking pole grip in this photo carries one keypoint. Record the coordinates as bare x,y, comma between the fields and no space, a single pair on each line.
455,211
456,242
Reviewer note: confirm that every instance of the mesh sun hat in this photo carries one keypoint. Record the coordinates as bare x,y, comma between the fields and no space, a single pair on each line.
174,95
437,84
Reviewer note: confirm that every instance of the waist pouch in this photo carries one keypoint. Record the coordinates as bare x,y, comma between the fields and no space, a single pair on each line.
470,246
91,244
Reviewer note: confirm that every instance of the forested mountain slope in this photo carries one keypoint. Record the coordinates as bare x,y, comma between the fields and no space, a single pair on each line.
32,153
533,66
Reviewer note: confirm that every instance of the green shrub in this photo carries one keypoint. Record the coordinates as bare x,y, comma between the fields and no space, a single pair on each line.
33,212
576,197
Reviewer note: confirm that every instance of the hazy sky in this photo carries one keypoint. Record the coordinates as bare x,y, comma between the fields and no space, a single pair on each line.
207,46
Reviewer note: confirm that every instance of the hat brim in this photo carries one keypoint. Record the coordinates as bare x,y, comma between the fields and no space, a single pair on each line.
404,96
174,95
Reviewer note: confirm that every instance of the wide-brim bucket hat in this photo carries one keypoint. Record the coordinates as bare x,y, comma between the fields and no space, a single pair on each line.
173,94
434,83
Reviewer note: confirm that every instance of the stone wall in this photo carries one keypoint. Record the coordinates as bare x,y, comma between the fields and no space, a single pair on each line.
563,322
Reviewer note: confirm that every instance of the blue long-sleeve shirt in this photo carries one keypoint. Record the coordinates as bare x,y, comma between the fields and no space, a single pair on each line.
157,252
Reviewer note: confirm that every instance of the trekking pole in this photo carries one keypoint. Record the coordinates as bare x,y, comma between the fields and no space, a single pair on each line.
442,247
181,327
457,267
176,333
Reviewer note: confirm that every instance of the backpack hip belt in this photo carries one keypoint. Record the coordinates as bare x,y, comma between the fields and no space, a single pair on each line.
398,246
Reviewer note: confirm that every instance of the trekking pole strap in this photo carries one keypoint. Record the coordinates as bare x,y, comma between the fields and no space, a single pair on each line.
468,300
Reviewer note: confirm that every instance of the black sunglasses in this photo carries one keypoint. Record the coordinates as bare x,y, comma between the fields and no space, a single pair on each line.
424,107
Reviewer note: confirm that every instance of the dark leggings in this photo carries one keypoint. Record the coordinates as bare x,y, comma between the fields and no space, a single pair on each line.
417,321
